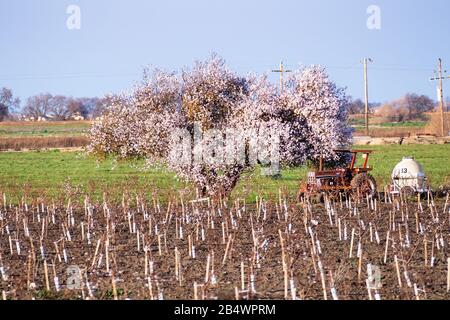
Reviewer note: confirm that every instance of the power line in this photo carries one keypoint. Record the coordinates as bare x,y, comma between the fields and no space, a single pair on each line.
242,67
366,91
281,71
65,76
440,78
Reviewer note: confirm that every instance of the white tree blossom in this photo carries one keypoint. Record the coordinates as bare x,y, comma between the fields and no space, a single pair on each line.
209,124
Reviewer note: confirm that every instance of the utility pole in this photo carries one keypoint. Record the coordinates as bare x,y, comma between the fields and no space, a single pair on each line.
366,91
441,95
281,71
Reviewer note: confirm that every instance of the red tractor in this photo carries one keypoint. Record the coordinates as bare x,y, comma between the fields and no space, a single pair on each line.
354,180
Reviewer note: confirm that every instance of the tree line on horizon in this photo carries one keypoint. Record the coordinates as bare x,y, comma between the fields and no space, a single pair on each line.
46,106
410,107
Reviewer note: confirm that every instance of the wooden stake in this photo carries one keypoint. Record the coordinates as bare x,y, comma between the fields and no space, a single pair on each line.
351,243
96,251
369,291
58,255
360,263
322,278
195,291
180,268
448,274
313,260
145,261
208,261
230,237
113,282
285,268
417,221
29,272
176,263
339,228
150,288
190,245
432,254
55,277
425,250
387,246
47,282
397,268
242,276
212,267
138,240
10,245
107,254
416,292
159,245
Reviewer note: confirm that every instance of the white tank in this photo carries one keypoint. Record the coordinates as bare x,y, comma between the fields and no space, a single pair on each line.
409,174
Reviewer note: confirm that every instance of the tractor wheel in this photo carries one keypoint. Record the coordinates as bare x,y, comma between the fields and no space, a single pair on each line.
364,185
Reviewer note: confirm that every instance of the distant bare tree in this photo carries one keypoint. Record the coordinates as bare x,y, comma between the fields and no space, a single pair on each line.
87,106
38,106
417,105
356,106
410,107
101,105
62,108
59,107
373,106
7,103
76,107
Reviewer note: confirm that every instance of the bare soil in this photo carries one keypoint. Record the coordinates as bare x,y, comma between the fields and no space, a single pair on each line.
313,235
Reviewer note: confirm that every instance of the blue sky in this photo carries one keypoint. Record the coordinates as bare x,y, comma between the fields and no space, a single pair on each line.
118,38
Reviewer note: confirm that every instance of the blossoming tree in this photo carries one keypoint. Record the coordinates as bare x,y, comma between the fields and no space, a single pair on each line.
209,124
